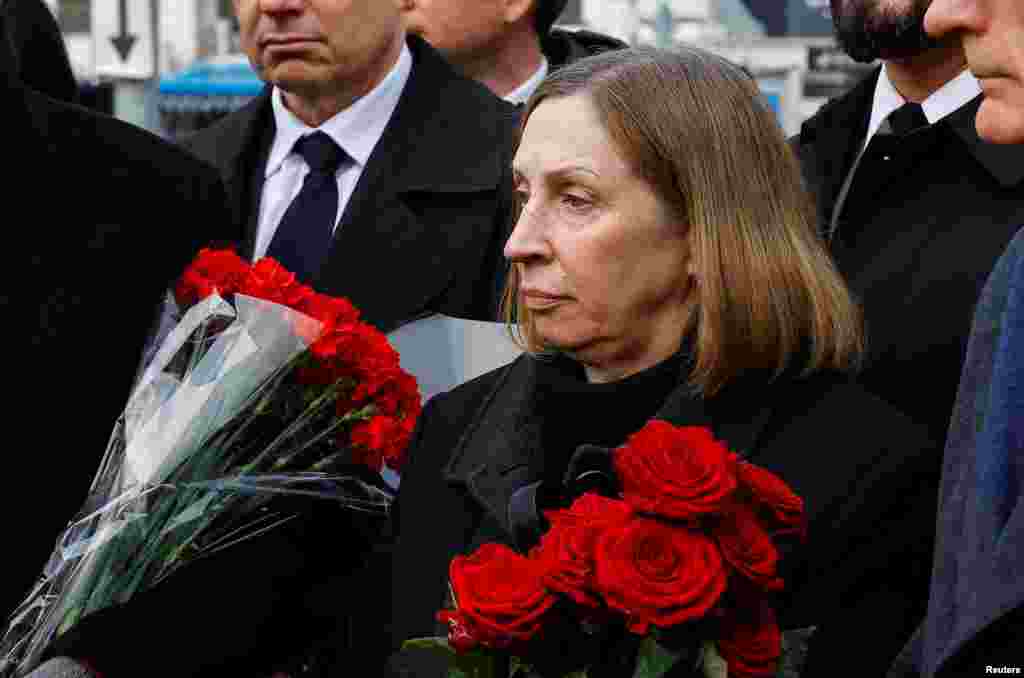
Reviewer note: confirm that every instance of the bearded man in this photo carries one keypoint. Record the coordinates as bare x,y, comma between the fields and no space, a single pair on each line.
917,208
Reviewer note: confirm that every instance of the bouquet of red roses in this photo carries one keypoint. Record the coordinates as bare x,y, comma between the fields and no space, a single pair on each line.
686,551
260,389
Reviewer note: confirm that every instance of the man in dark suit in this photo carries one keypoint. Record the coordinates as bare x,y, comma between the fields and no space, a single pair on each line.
416,203
916,223
917,209
508,45
86,198
975,620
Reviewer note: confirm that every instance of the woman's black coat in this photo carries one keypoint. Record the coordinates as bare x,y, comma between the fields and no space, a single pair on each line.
866,474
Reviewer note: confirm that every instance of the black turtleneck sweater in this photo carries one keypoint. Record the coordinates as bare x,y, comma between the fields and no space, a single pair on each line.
574,411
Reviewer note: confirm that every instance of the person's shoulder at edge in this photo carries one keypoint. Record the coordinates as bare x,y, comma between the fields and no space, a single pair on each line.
104,142
229,129
837,105
153,183
1015,250
461,402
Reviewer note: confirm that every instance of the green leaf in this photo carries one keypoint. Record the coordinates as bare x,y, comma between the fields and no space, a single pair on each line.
473,664
653,660
438,643
477,664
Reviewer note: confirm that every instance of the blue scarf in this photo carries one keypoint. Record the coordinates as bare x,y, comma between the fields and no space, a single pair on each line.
978,574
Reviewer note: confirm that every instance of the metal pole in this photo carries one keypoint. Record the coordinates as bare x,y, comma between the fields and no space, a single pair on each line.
634,17
152,110
664,25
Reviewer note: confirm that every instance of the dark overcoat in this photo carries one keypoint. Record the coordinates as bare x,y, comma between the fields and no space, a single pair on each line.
917,250
100,218
976,608
857,463
426,224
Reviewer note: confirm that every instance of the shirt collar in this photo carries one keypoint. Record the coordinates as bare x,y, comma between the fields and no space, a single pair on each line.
520,94
943,101
357,129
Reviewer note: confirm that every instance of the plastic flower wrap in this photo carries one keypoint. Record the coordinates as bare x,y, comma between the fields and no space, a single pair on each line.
258,388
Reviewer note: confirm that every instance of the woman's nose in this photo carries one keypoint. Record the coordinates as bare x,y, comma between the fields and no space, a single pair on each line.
528,240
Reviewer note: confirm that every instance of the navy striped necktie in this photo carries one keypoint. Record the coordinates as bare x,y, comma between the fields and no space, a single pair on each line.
303,237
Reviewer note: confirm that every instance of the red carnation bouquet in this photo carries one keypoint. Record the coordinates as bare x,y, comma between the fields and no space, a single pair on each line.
260,393
686,551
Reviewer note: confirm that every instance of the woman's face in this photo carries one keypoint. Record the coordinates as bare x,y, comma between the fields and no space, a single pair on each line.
602,259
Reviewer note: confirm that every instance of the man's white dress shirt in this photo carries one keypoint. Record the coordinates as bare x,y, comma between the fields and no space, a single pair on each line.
887,99
937,106
520,94
357,129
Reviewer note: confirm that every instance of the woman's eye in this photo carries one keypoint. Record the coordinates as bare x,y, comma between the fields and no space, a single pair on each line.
576,202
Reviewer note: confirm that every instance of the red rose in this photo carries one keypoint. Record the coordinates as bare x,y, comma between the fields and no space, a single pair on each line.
676,472
750,642
658,573
748,547
500,594
566,551
777,505
461,635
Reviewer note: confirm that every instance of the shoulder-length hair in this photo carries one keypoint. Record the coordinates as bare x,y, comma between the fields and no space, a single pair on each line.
695,127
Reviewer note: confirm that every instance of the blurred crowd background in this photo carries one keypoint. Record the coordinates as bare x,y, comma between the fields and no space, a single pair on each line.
179,66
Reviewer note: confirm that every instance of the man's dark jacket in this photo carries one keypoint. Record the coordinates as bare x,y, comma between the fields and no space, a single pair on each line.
426,224
919,250
916,252
100,218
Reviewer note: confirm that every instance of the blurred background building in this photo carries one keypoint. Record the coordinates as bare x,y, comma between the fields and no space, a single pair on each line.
174,65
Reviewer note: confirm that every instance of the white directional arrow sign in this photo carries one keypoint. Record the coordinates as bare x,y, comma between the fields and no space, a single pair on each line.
122,33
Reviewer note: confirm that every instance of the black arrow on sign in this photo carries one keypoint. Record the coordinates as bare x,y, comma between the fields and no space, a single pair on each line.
123,41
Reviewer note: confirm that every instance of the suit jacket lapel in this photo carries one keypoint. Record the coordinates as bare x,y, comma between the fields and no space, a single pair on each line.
492,458
241,157
829,142
422,158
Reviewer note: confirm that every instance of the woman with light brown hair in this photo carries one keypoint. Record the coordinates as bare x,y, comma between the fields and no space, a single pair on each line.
665,265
